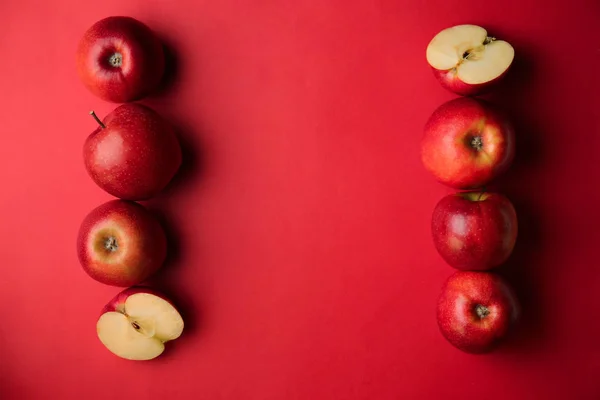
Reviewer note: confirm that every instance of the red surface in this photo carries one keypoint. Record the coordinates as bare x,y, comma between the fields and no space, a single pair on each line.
301,257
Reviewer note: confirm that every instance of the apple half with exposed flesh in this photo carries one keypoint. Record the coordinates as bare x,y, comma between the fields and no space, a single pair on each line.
137,323
467,61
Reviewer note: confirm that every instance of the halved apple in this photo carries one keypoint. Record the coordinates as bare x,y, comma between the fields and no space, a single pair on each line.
137,323
467,61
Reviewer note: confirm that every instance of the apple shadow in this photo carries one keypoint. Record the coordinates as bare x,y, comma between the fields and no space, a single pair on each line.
171,75
192,159
521,269
522,272
511,97
172,69
192,319
166,278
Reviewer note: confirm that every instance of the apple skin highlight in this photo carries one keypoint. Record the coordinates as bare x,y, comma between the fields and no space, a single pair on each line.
120,59
467,143
474,230
133,154
120,243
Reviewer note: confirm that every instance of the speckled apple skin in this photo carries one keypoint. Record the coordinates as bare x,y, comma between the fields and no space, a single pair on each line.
450,81
141,240
135,156
446,150
474,230
117,303
142,59
458,321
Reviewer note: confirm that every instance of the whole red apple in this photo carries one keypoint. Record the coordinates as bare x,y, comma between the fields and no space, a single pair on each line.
133,154
137,323
467,143
474,230
120,59
120,243
476,310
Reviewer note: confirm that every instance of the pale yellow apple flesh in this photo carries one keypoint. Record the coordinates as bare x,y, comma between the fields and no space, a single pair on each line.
476,57
140,327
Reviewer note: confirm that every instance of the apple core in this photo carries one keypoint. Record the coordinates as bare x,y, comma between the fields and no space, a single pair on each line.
477,52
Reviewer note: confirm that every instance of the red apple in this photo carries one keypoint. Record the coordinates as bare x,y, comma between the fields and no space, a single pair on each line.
119,59
120,243
133,154
476,310
467,143
467,61
137,323
474,230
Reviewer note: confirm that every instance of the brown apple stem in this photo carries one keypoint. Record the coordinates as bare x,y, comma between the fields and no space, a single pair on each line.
135,325
489,40
481,311
93,114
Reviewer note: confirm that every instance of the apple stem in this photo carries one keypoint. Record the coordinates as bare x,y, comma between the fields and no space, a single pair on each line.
489,40
93,114
135,326
481,311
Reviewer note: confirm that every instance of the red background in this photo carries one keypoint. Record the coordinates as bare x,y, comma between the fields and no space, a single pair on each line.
301,255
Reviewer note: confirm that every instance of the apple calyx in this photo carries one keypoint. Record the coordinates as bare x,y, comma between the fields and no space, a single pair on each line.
481,311
111,244
115,60
477,143
93,114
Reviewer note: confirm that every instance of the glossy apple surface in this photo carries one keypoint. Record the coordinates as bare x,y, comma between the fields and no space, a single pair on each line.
476,311
474,230
133,154
120,59
120,243
467,143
